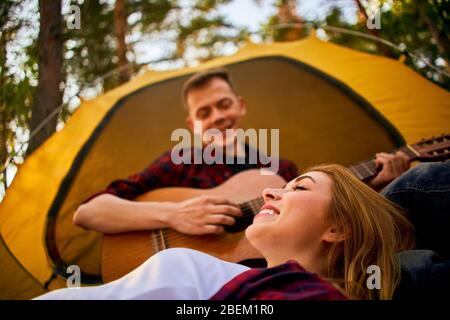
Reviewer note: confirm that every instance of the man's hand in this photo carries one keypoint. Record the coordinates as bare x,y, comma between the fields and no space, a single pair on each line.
203,215
393,165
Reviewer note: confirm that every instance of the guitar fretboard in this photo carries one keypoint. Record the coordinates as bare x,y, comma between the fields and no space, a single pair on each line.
363,170
249,210
368,169
252,207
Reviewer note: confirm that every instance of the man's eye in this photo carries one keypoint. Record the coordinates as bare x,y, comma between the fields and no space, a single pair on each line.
224,104
203,114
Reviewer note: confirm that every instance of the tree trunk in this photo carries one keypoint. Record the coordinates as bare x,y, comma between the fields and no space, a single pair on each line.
362,11
3,148
4,114
363,17
48,95
287,14
442,42
120,26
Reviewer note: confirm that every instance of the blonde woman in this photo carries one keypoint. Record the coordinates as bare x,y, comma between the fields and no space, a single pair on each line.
319,235
334,225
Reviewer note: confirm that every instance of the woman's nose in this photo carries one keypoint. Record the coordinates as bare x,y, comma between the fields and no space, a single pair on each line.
272,194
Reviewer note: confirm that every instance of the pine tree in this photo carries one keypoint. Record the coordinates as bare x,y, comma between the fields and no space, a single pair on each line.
48,97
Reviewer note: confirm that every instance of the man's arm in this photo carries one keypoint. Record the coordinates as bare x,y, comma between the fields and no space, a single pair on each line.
107,213
114,211
392,166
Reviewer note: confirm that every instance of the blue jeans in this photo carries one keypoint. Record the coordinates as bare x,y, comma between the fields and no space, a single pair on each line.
424,192
425,275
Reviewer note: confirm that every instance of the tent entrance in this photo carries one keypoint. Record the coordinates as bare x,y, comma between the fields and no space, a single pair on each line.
320,120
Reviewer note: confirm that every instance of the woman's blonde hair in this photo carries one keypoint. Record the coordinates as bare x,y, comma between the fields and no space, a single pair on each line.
374,230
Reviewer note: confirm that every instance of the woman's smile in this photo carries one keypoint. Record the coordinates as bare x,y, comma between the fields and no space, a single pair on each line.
266,211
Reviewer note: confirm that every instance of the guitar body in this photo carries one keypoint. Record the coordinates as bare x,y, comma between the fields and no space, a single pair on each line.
122,253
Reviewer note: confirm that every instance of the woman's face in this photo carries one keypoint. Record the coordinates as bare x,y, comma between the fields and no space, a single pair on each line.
295,218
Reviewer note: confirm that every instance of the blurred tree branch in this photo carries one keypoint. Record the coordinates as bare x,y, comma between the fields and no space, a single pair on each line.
363,16
442,41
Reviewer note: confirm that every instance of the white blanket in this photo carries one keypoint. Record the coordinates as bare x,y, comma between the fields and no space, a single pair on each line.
178,273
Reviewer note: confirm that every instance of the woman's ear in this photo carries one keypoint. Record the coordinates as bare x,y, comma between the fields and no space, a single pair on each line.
334,235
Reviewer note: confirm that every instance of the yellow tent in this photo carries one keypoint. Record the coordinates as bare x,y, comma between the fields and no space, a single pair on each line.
332,104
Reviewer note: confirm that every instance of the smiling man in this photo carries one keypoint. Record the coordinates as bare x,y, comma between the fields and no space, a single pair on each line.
211,98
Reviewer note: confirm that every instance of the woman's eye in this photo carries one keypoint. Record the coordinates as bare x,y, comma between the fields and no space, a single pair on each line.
300,187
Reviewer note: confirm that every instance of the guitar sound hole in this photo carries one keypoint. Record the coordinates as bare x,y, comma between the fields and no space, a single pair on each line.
240,225
254,263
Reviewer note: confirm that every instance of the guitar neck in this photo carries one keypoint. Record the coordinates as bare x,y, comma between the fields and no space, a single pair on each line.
434,149
368,169
363,170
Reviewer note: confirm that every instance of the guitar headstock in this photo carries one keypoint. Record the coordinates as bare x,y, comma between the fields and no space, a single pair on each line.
434,149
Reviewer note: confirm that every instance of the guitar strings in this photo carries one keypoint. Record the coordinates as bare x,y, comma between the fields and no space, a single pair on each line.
364,166
364,170
370,166
185,238
248,208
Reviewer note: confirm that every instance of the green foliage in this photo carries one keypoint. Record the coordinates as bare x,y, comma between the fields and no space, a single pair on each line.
16,90
91,51
402,25
205,32
335,18
153,13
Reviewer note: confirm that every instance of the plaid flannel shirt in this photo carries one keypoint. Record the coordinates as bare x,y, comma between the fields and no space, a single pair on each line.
164,173
288,281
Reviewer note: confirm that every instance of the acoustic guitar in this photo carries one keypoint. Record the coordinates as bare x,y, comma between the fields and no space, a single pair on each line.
122,253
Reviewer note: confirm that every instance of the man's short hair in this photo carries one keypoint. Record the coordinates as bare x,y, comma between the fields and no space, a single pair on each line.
202,78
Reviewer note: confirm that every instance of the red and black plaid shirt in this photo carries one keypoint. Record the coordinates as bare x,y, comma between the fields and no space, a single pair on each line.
164,173
288,281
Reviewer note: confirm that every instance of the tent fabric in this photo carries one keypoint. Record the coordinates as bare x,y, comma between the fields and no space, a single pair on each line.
23,283
331,104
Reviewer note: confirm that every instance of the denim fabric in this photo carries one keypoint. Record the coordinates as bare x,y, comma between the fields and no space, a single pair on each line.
424,192
425,275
